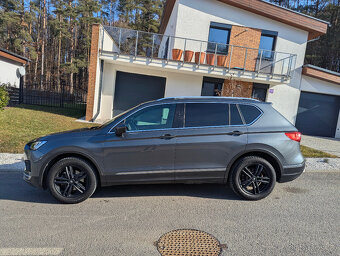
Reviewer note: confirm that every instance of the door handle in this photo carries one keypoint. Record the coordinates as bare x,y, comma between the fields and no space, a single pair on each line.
236,133
167,137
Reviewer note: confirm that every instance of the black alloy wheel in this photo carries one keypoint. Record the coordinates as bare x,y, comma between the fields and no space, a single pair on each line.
71,180
252,178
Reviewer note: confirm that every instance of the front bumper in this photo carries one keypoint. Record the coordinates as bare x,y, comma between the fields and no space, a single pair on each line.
291,172
33,167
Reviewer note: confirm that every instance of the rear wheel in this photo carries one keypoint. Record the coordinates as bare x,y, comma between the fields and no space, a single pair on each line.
252,178
71,180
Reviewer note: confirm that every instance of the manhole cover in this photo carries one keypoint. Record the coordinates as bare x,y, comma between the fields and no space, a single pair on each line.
188,242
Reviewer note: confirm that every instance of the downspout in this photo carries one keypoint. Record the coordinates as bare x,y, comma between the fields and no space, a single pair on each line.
99,90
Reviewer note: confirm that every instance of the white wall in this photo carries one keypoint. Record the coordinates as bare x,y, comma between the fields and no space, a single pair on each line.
193,21
310,84
8,72
176,85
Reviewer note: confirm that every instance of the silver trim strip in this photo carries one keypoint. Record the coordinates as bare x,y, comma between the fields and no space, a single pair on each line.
171,171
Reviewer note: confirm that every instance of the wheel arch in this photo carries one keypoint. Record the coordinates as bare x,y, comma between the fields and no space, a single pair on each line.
270,157
60,156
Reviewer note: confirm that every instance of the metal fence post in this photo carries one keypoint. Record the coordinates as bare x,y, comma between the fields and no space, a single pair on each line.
185,45
199,60
273,67
136,44
153,43
258,71
169,46
231,55
215,55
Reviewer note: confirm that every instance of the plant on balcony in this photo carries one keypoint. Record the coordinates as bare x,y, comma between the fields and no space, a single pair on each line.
199,57
177,54
210,60
222,60
188,55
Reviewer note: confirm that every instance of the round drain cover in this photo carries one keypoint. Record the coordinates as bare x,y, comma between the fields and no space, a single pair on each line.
188,242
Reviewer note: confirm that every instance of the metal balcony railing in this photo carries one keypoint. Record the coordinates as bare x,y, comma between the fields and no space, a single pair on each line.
124,41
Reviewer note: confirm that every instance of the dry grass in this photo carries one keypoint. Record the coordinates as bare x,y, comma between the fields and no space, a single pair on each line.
18,125
311,152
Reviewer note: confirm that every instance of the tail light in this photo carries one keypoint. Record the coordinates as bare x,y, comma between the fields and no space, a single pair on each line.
296,136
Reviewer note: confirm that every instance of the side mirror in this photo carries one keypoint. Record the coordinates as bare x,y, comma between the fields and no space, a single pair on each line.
120,129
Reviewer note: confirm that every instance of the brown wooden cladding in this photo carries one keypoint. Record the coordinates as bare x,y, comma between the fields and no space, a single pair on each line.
232,88
314,27
92,72
322,75
13,58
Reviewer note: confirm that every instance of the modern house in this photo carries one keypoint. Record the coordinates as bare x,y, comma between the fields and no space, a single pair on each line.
237,48
11,68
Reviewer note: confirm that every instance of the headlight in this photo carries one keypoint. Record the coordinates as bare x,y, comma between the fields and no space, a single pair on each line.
37,144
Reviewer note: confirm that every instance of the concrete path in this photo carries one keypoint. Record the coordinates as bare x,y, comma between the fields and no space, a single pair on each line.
328,145
299,218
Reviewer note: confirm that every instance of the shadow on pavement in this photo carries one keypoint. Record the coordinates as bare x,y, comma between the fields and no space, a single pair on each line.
14,188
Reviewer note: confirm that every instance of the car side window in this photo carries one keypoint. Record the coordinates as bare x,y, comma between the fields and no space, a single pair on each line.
235,118
250,113
151,118
206,114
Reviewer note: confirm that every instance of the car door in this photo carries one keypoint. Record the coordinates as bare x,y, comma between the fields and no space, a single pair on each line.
145,153
213,133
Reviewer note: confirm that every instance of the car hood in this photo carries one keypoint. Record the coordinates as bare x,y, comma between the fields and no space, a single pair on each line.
72,133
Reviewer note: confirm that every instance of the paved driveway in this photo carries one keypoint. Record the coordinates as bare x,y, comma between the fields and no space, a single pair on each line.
329,145
299,218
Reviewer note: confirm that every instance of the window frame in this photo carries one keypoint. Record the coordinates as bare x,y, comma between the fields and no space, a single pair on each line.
269,33
220,26
244,120
181,119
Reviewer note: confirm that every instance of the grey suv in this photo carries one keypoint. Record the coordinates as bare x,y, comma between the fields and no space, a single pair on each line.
242,142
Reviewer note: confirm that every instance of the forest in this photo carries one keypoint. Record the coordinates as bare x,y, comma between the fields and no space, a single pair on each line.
56,34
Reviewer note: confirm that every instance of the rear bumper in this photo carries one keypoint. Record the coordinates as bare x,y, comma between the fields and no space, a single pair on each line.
291,172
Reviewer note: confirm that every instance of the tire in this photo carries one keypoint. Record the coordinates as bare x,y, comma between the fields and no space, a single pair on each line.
252,178
71,180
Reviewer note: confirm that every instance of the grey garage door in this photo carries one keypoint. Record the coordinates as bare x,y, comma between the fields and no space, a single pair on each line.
132,89
318,114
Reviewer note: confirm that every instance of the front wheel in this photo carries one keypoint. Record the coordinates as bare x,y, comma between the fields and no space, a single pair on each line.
252,178
71,180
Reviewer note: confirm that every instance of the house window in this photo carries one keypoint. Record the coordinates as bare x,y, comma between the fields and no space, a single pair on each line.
219,35
260,91
267,44
212,86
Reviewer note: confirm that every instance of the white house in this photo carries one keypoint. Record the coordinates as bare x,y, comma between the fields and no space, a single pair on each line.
216,47
11,65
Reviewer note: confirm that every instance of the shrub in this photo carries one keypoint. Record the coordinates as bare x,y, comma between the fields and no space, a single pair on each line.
4,96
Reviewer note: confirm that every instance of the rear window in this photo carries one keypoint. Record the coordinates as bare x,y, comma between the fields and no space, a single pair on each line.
250,113
206,114
235,118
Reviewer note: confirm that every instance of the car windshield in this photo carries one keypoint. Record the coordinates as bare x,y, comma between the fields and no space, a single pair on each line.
116,117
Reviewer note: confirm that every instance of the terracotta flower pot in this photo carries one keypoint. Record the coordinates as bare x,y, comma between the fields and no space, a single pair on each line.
177,54
222,60
210,60
198,59
188,56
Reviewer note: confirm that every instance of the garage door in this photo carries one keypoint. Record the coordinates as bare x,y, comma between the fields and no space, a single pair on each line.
132,89
318,114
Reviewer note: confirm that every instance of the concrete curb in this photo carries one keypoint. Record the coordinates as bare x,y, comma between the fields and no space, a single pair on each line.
14,163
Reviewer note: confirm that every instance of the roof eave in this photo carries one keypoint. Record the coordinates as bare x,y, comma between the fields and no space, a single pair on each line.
313,26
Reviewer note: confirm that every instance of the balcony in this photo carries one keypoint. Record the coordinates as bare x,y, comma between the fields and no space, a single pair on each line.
189,55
